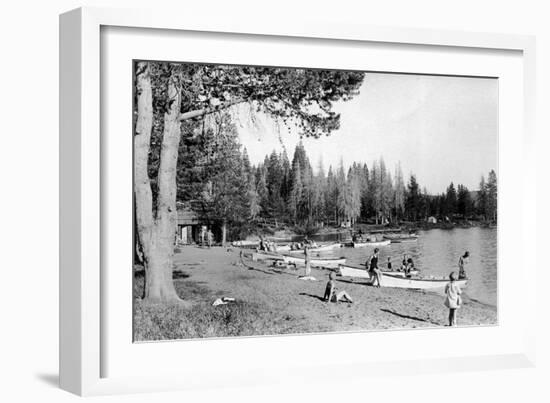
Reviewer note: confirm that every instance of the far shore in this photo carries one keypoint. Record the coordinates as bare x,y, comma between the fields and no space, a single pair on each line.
271,301
288,233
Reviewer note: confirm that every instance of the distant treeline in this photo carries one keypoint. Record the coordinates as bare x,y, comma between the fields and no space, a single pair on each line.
215,173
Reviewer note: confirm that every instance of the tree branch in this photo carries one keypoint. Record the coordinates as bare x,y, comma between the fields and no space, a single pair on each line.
205,111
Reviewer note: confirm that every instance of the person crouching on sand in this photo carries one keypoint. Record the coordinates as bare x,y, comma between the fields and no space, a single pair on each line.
330,292
453,301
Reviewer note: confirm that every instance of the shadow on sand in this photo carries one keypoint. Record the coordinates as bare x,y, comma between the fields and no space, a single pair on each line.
313,296
409,317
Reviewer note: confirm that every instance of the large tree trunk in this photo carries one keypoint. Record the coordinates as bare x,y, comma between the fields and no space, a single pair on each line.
142,186
156,234
162,286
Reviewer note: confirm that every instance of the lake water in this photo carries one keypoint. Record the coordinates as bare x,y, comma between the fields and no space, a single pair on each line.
436,253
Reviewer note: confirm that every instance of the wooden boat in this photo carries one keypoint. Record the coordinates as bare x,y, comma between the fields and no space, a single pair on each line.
320,248
389,280
398,279
318,262
353,271
399,238
347,270
299,261
402,240
245,244
385,242
282,248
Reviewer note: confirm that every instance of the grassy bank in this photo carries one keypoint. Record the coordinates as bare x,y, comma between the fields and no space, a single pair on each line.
174,321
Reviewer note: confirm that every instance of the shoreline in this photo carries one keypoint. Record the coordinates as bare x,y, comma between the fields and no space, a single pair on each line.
288,234
270,301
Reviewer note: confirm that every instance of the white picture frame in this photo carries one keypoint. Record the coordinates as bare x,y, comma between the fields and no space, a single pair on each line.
85,346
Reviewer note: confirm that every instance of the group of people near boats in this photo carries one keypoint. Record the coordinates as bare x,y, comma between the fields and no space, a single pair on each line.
305,244
452,301
267,246
270,246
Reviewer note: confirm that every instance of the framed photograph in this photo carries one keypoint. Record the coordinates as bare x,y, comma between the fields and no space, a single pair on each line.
245,195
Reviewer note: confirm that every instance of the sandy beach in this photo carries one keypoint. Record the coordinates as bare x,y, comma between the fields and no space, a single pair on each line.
286,304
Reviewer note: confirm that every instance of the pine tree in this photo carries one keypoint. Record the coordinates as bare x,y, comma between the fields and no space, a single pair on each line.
295,197
331,196
341,192
492,196
353,195
464,201
481,202
374,191
413,199
399,193
451,200
261,189
364,192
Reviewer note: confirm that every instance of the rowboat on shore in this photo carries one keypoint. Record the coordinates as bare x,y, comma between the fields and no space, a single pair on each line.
385,242
321,248
398,279
245,244
347,270
300,261
331,263
389,280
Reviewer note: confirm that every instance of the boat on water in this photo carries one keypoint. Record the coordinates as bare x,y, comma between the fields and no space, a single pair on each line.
399,238
347,270
331,263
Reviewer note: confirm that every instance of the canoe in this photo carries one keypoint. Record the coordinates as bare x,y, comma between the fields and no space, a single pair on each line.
245,244
389,280
319,262
400,236
353,271
347,270
385,242
320,248
402,240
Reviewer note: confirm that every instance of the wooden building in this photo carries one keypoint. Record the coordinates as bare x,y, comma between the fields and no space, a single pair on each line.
188,225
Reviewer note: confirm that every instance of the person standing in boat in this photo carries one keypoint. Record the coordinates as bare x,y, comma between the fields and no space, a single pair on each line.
389,264
374,271
461,262
453,301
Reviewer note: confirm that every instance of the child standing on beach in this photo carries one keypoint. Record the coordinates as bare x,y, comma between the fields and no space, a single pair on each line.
330,292
453,301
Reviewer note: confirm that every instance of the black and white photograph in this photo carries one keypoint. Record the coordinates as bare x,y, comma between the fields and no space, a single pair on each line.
276,200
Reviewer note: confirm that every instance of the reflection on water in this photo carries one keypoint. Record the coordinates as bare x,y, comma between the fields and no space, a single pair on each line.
436,253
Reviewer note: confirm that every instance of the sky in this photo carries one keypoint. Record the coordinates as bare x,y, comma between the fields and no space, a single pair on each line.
440,128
